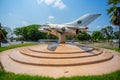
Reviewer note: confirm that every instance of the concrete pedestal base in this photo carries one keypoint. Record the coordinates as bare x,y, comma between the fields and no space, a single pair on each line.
60,60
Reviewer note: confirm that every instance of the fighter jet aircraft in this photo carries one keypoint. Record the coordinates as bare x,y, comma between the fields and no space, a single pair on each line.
71,28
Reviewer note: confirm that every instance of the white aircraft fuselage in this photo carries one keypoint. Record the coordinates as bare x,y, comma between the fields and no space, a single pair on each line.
72,28
60,28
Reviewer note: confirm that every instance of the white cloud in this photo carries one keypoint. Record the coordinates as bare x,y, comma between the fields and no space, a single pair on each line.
49,2
59,4
50,17
24,23
54,3
98,26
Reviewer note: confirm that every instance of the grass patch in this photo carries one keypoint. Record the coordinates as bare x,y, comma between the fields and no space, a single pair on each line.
116,49
12,76
111,76
15,46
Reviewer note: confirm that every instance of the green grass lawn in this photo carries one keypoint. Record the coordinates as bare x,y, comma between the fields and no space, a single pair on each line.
116,49
11,76
15,46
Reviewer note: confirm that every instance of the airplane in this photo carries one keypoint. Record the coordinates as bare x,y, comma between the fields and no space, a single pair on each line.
71,28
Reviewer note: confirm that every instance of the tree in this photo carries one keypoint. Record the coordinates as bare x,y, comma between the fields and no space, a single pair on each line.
83,36
96,35
3,34
104,32
9,32
116,35
107,32
17,31
114,13
33,33
0,34
113,4
30,33
24,32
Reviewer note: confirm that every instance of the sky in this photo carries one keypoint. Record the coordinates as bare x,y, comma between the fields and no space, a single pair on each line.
18,13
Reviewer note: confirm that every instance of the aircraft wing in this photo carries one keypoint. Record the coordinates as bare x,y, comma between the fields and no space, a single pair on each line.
73,28
80,28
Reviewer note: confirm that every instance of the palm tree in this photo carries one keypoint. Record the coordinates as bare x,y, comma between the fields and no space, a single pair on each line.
114,12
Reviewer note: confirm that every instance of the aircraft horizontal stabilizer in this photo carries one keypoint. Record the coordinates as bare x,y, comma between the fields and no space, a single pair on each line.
84,20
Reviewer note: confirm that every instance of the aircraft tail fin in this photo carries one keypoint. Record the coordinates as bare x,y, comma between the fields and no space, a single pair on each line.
84,20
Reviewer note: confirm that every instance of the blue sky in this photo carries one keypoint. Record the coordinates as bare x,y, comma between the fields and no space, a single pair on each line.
18,13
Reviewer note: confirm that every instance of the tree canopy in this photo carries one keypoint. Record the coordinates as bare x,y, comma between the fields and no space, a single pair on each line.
31,33
97,35
83,36
107,32
114,12
3,33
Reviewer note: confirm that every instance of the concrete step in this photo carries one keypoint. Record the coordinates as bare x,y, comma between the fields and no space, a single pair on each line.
60,56
18,57
60,49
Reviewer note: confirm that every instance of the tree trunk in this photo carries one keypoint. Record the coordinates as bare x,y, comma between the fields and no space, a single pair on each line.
119,37
0,37
0,43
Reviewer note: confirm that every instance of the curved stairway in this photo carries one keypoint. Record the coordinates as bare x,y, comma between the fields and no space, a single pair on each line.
60,60
41,56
